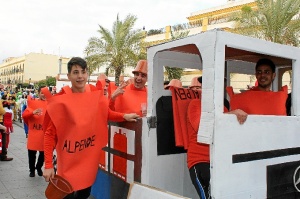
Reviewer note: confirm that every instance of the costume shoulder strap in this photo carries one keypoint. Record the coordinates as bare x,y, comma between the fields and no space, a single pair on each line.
67,89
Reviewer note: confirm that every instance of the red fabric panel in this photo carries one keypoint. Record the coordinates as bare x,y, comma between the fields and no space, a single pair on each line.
259,102
181,98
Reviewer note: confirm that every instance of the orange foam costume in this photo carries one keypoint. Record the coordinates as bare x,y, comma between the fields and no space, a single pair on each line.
132,99
35,139
259,102
78,132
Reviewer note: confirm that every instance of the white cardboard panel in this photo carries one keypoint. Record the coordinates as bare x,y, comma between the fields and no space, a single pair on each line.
139,191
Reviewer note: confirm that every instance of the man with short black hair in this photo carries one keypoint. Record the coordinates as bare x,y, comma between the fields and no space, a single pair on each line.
77,132
265,74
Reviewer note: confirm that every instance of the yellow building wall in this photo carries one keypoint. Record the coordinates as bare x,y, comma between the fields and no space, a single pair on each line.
31,68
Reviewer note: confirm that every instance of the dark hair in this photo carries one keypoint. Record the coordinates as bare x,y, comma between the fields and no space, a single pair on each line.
166,82
265,61
6,104
76,61
199,79
40,88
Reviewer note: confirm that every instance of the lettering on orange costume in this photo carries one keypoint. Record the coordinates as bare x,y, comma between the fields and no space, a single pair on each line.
37,127
184,94
73,147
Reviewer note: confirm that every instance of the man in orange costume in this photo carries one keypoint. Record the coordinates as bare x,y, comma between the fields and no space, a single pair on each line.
34,117
198,157
265,74
133,97
77,131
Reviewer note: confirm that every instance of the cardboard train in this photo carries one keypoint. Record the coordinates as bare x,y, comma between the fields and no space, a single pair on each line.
259,159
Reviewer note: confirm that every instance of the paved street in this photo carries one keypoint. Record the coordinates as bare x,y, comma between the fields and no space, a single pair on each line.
15,182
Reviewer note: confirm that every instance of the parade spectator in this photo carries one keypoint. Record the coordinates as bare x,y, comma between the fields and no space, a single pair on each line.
34,117
3,134
128,98
8,121
23,104
69,123
12,101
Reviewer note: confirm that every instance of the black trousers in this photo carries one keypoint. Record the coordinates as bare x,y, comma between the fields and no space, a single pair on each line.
200,176
80,194
32,160
4,149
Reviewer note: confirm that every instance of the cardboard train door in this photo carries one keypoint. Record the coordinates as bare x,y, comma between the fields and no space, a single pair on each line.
259,159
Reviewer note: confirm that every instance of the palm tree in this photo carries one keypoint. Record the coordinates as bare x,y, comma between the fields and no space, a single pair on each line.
116,49
273,20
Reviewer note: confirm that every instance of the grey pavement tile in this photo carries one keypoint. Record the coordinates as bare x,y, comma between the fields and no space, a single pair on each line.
14,180
25,192
6,196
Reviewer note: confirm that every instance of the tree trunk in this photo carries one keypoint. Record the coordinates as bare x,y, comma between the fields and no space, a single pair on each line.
117,75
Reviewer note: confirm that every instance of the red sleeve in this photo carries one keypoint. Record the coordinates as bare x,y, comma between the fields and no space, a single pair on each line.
115,116
49,144
28,112
112,104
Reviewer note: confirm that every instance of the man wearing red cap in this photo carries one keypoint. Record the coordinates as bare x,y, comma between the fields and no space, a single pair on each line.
132,98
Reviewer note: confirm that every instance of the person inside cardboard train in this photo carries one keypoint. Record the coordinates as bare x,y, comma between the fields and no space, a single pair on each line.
198,159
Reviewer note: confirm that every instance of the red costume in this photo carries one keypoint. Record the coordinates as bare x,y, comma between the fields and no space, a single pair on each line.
131,101
77,129
35,139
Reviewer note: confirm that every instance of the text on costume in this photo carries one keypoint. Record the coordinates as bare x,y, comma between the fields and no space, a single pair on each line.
38,127
184,94
74,146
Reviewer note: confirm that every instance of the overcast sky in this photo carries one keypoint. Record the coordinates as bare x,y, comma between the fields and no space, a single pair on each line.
63,27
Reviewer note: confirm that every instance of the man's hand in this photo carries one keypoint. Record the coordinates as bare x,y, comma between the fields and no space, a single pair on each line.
120,90
38,111
131,117
48,173
240,115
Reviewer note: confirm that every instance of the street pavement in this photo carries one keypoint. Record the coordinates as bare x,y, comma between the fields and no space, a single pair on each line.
15,182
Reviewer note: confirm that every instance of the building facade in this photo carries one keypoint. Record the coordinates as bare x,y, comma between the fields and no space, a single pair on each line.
31,68
203,20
